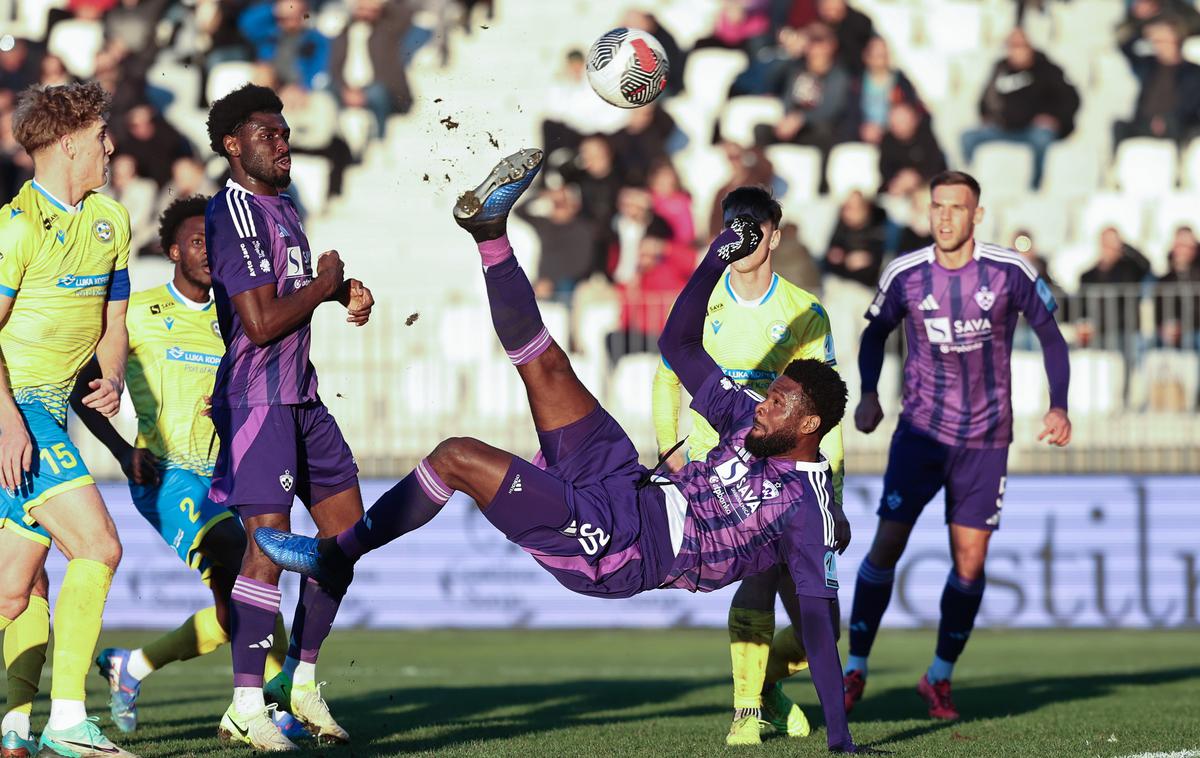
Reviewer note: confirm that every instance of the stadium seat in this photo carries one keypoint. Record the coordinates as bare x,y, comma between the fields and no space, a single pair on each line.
1004,169
1097,382
465,334
1105,209
1166,215
703,170
688,20
800,167
1191,50
853,166
742,114
1166,380
1113,85
498,393
76,42
1072,169
1189,169
526,245
426,389
1146,167
591,371
357,126
1093,21
1030,388
709,72
629,396
183,82
310,178
557,318
816,219
895,22
594,321
929,71
955,26
1043,215
225,77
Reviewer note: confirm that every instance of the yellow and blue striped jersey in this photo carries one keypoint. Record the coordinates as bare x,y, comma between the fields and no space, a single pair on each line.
61,266
752,342
174,350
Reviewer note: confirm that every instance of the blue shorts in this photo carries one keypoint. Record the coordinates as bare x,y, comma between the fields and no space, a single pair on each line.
56,468
919,466
180,511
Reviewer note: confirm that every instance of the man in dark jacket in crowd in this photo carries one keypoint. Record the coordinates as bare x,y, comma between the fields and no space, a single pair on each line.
1168,105
1027,100
367,62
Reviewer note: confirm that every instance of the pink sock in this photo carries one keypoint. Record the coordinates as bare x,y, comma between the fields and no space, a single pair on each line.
494,251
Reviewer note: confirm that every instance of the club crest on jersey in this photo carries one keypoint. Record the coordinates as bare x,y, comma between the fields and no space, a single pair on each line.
893,500
778,332
985,298
215,327
286,480
103,230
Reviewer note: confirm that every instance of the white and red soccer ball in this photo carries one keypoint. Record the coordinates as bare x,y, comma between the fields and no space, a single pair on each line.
627,67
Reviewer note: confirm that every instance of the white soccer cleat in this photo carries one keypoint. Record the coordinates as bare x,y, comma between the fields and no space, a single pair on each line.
258,730
311,710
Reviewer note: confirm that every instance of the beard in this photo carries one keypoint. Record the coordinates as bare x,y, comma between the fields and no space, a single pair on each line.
769,445
267,172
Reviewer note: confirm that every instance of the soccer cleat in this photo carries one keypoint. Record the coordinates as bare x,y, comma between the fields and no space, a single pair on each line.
123,689
84,740
258,730
289,726
783,715
489,203
744,731
937,696
14,745
320,559
853,684
311,710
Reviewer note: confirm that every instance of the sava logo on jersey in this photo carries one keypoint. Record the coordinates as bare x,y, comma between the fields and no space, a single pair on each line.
736,495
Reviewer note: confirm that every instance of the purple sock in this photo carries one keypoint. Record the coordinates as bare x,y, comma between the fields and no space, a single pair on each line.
494,251
515,313
410,504
313,621
820,644
252,618
872,592
960,603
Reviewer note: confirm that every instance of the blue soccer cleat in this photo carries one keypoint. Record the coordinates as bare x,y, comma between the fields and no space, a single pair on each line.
290,726
123,689
319,559
485,209
14,745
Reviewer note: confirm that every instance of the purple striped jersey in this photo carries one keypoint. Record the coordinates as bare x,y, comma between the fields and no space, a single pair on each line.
253,241
960,325
746,514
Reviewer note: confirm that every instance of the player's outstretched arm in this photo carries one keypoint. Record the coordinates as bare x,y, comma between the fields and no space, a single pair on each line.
869,412
138,463
682,340
111,353
1035,301
16,450
267,317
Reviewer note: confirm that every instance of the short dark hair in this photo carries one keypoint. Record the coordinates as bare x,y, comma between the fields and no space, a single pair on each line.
175,214
757,202
824,388
952,178
228,114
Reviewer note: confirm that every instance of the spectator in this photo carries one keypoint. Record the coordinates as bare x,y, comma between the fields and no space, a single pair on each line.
366,61
635,215
792,260
909,155
676,59
1177,300
662,268
915,233
645,140
53,72
852,29
217,24
281,35
1168,104
1027,100
137,194
133,22
748,166
741,25
1142,13
16,167
1107,306
19,67
573,109
795,14
188,178
151,141
594,172
568,242
123,75
671,202
874,93
856,247
815,92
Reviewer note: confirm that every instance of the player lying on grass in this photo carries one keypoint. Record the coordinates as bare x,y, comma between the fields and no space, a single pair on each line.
174,349
595,518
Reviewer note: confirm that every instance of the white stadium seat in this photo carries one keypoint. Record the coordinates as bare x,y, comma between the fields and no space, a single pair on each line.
816,219
310,178
594,322
1189,169
465,334
1146,167
427,388
1170,378
225,77
710,71
1004,169
1031,389
853,166
742,114
1105,209
929,71
1071,169
357,126
1042,215
76,42
499,394
557,318
630,389
799,166
1166,215
955,27
1097,382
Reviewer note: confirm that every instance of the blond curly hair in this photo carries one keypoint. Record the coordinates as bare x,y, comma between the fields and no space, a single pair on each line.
43,114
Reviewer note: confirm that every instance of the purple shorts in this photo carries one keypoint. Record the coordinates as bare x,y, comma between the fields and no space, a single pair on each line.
271,454
919,466
583,518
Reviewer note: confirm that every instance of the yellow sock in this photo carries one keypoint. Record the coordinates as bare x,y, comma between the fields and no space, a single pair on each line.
787,656
77,616
278,651
25,643
199,635
749,644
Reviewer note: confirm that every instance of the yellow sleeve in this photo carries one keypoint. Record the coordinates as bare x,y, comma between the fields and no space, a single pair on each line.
816,341
123,236
18,237
665,407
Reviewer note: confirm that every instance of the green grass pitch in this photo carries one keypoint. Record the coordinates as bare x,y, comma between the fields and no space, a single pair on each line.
667,692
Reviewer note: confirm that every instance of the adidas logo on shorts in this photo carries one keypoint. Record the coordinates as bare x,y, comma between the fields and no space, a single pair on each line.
516,484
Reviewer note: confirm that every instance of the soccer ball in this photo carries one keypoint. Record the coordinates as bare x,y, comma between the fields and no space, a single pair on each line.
627,67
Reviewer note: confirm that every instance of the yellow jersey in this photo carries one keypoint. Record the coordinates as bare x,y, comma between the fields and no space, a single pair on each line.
61,266
752,342
175,347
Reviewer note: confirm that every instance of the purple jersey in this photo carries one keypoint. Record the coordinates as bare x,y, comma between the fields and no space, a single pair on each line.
744,514
960,324
255,240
